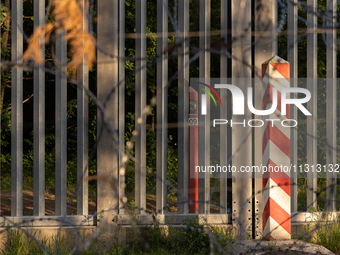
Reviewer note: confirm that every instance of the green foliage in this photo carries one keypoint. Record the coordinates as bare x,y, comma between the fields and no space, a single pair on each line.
329,236
151,240
133,207
170,240
4,12
151,161
20,243
321,191
15,244
323,229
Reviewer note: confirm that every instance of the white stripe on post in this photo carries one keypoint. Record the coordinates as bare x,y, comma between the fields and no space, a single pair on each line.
275,153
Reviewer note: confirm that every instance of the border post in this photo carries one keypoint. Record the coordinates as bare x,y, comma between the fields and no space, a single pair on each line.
276,152
193,150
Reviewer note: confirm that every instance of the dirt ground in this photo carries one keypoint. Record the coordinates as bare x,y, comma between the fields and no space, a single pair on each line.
49,203
71,203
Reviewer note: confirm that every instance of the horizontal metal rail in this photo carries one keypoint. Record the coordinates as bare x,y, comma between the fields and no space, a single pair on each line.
42,221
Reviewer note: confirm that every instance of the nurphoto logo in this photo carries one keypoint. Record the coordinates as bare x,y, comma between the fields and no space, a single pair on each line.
279,97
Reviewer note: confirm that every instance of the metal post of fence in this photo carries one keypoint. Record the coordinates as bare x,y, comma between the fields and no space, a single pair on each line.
241,135
82,127
265,16
292,46
61,125
0,122
140,104
224,132
312,104
17,110
183,107
331,106
107,94
39,120
121,75
204,121
162,107
276,152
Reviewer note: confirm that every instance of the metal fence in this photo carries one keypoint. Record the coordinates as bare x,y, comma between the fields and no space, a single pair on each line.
249,31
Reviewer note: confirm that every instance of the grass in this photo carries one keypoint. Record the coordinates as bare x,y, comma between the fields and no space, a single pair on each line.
328,234
20,243
323,231
178,240
153,240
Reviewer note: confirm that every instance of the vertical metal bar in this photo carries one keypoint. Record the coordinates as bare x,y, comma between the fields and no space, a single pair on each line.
82,127
39,121
140,94
275,11
331,116
265,19
312,104
121,124
17,111
162,106
61,126
107,93
242,135
0,122
224,153
204,133
183,108
292,59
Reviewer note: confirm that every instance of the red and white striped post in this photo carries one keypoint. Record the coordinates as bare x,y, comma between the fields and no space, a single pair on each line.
193,150
276,153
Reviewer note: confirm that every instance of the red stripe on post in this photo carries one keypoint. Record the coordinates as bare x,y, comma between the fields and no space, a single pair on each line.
277,137
280,178
280,140
283,69
278,214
